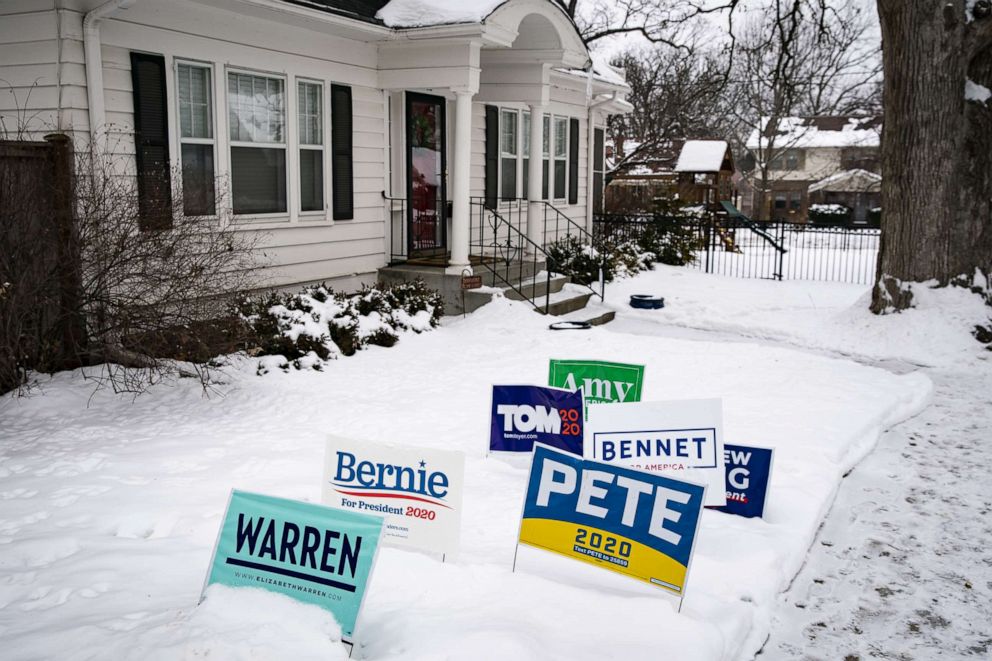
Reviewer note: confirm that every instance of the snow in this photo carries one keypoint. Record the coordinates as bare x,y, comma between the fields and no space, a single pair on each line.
420,13
863,181
701,156
795,132
829,208
976,92
111,505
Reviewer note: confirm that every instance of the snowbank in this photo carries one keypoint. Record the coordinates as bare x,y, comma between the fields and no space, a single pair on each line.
420,13
826,316
110,508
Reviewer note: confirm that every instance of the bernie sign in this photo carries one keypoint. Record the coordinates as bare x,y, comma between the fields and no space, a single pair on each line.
314,554
524,415
749,470
418,490
601,382
632,523
681,439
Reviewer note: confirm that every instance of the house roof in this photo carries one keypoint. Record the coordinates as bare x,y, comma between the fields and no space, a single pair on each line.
702,156
823,131
363,10
849,181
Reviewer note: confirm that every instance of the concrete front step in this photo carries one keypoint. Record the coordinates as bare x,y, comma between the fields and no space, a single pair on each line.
594,314
569,299
536,287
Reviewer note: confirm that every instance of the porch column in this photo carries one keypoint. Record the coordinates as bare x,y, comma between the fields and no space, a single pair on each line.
535,211
460,176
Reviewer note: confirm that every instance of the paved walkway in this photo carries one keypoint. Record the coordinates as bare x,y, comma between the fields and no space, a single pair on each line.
902,568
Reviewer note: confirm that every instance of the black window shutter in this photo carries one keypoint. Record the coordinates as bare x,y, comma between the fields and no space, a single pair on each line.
597,169
573,161
492,156
342,180
151,141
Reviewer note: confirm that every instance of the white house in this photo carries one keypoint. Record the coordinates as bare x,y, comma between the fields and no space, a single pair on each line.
351,133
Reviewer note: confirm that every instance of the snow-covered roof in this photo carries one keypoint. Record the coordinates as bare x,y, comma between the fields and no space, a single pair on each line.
856,180
421,13
832,131
701,156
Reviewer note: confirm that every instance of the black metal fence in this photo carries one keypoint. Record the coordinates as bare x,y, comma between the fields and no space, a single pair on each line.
774,250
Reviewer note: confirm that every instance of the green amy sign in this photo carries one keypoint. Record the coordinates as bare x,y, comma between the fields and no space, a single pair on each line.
314,554
600,381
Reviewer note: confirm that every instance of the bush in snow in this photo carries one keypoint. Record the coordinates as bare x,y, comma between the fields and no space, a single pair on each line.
581,262
307,328
835,214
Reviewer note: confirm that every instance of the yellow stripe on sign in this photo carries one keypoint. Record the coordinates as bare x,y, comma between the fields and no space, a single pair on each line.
606,550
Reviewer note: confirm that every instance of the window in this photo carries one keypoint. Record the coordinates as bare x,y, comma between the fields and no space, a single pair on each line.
310,117
196,138
561,156
508,154
795,201
789,159
257,116
780,200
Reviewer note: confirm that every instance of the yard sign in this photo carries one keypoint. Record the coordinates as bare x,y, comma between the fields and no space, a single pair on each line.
524,415
681,439
311,553
600,381
749,471
418,490
632,523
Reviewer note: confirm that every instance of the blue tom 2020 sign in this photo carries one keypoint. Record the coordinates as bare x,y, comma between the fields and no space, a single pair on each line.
524,415
314,554
749,470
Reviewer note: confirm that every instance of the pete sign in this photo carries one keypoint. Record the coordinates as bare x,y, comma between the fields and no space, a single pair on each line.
309,552
749,470
682,439
417,490
632,523
601,382
524,415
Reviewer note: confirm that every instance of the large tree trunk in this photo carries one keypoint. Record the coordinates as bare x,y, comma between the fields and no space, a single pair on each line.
936,147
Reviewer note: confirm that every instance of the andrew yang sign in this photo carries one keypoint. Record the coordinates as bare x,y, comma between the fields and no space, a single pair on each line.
681,439
418,490
632,523
749,470
524,415
314,554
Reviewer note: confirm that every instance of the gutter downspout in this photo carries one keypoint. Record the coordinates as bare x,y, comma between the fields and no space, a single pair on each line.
94,72
591,156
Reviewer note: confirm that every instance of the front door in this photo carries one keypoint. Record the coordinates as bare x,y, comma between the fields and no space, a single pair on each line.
426,170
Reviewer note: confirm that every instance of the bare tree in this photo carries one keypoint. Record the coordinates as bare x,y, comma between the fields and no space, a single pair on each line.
676,94
937,148
657,21
798,58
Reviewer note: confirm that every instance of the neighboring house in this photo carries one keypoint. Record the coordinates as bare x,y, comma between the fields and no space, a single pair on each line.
706,173
351,133
639,174
812,160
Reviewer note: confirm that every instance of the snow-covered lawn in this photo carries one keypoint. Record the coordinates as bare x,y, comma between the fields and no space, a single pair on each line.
109,508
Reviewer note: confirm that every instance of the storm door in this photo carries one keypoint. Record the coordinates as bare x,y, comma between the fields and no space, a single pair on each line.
426,172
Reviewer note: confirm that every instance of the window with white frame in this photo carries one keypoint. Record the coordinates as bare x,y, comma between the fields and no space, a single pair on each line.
257,117
508,154
310,117
561,157
196,138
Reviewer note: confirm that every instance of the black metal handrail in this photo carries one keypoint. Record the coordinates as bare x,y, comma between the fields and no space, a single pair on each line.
396,205
585,237
511,259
